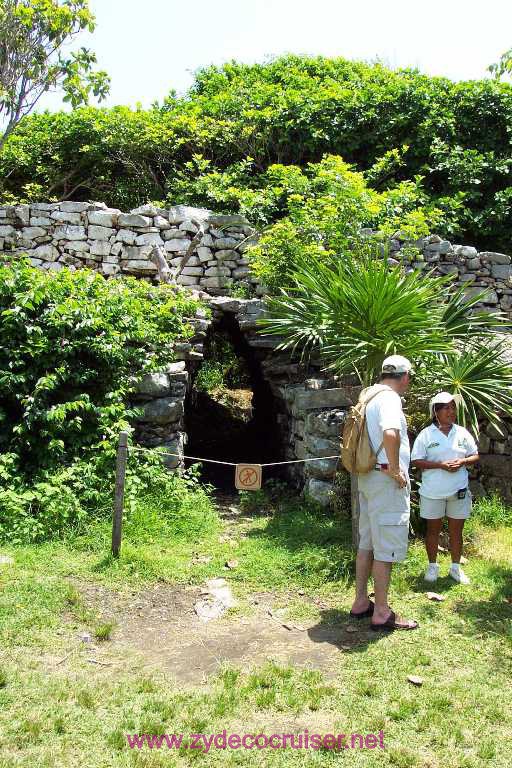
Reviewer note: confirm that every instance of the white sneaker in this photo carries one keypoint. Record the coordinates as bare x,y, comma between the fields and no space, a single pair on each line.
458,575
432,572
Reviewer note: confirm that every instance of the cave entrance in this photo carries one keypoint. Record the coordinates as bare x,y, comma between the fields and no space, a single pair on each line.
231,410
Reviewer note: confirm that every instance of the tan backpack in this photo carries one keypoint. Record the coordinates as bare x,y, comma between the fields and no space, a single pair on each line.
357,453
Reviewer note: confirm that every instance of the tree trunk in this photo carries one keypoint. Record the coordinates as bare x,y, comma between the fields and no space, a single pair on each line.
354,498
192,247
158,258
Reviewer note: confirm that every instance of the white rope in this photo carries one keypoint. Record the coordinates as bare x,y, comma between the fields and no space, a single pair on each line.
231,463
299,461
179,456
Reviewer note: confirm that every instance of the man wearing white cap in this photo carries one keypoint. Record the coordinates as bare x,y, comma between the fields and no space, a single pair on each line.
384,496
442,451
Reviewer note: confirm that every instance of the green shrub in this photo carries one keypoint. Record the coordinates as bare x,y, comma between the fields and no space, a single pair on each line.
215,145
170,506
277,253
222,366
210,376
72,347
326,208
492,511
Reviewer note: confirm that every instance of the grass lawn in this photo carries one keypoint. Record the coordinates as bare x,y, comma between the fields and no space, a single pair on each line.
59,709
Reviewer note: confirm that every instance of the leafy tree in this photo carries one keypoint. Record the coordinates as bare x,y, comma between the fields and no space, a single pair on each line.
226,142
33,34
503,66
325,208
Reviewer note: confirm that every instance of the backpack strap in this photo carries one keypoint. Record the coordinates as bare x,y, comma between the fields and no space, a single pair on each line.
384,387
368,400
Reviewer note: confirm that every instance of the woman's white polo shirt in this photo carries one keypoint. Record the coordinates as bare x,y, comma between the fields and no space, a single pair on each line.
432,445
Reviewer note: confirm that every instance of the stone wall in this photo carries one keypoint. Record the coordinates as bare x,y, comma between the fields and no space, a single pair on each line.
475,270
493,473
76,235
310,408
161,396
309,411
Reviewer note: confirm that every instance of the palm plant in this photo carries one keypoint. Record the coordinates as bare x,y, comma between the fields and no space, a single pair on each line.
356,312
460,315
481,375
359,309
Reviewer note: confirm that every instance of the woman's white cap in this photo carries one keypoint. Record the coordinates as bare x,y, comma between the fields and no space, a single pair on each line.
444,398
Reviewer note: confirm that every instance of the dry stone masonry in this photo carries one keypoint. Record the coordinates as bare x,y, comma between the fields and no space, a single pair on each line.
161,397
76,235
474,270
309,407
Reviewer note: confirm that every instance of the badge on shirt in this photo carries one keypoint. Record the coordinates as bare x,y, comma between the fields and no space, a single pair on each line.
463,443
432,445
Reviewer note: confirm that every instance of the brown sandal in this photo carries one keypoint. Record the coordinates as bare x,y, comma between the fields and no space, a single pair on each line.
364,614
393,622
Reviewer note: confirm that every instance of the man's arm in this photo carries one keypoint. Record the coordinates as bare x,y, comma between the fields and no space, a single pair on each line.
391,441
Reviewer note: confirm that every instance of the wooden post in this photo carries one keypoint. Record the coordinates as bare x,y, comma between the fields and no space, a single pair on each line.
117,519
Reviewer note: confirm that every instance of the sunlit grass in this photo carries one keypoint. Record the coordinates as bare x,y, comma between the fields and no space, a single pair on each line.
69,713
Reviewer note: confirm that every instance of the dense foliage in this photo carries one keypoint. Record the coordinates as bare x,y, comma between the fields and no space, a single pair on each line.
324,210
71,348
356,310
218,145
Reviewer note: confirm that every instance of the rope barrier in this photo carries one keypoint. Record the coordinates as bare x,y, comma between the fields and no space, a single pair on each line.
179,456
299,461
251,481
232,463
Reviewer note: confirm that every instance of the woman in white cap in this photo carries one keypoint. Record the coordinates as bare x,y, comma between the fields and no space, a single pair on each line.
442,451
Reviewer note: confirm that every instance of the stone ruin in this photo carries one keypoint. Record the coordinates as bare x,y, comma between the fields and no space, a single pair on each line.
306,406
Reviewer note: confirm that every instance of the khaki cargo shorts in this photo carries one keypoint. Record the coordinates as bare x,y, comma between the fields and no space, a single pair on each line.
384,516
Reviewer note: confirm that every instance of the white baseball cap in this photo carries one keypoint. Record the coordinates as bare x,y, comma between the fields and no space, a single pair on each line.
396,364
444,398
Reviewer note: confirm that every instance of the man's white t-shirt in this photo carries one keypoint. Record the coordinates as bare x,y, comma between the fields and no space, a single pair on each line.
432,445
385,412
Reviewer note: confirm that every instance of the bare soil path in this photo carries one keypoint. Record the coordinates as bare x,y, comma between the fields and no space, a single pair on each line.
158,627
162,628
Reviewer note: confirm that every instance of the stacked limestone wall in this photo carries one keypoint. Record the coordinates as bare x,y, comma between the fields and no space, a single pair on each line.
310,407
474,270
76,235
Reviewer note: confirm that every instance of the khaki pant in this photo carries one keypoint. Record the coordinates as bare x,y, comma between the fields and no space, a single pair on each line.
384,516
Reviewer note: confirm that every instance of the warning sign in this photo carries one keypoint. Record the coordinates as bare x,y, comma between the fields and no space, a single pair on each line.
248,477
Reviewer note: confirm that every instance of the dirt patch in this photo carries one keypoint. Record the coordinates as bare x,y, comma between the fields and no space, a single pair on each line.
160,626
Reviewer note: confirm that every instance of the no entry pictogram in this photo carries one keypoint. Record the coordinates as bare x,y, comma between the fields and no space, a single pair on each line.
248,477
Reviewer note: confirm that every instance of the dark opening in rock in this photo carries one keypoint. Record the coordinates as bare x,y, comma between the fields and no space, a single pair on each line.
230,413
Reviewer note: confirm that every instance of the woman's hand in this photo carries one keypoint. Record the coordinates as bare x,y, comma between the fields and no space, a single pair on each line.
452,465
